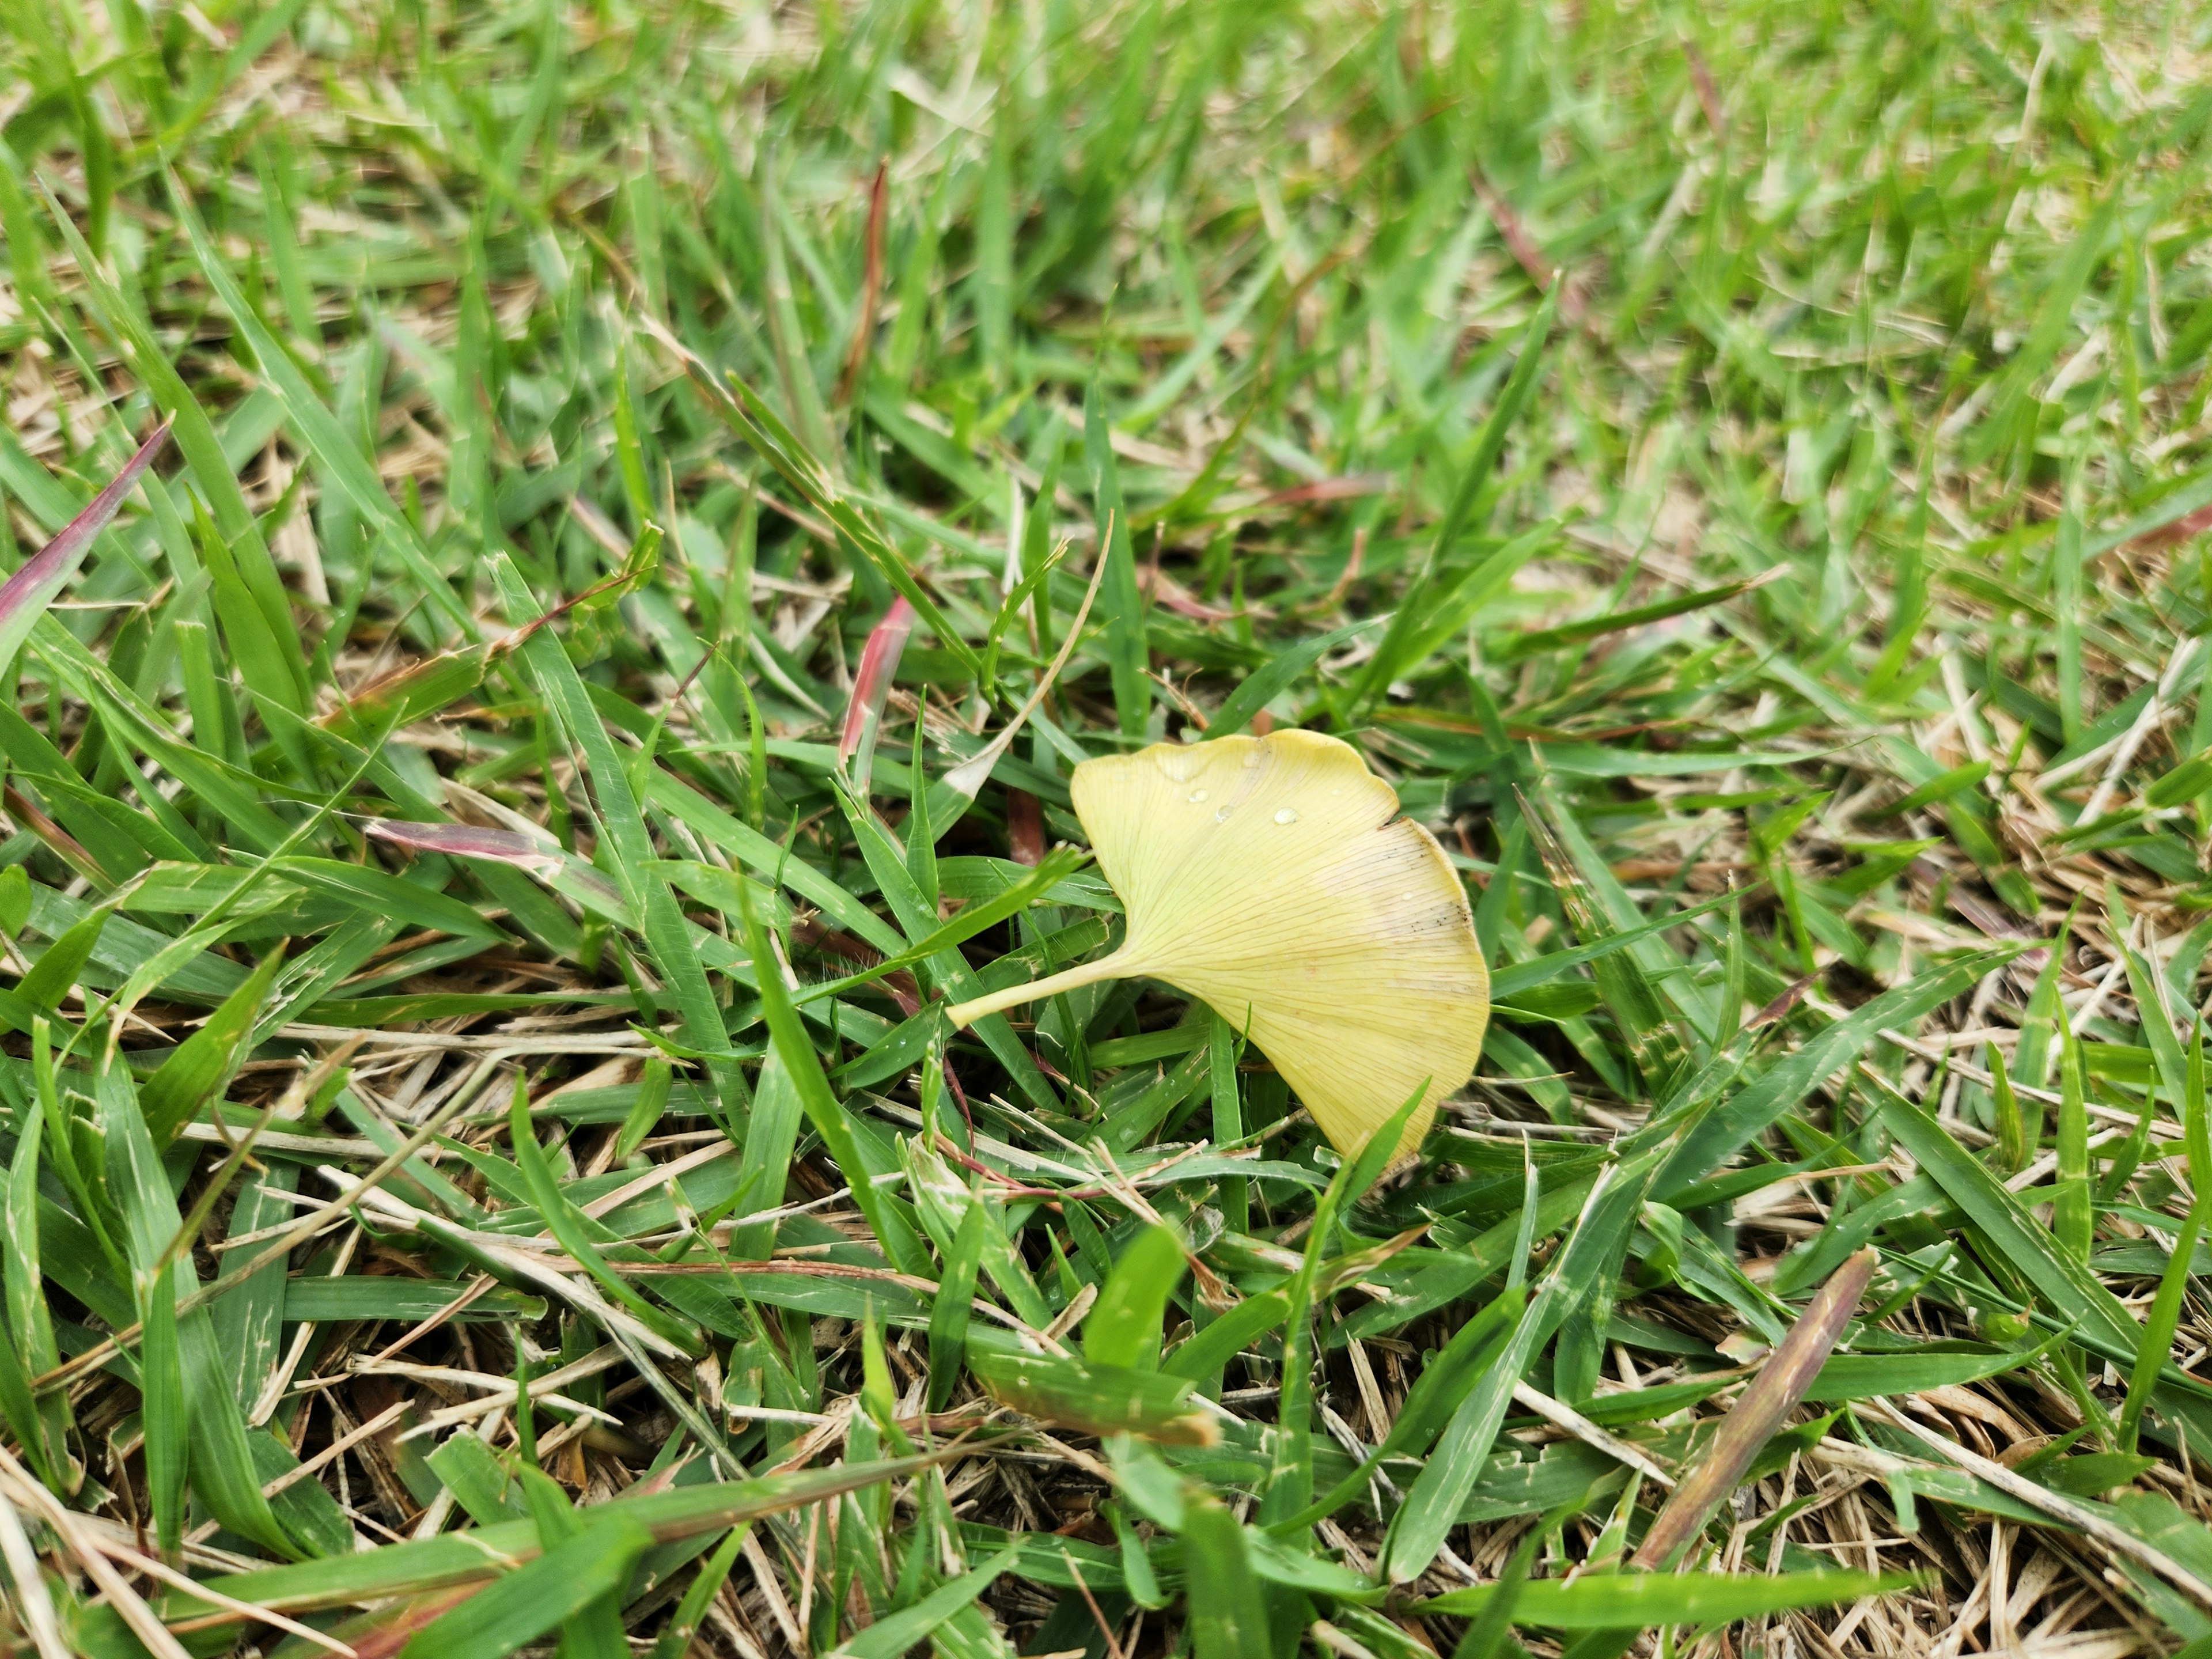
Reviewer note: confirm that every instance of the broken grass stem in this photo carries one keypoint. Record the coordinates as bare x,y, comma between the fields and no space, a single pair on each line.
1772,1396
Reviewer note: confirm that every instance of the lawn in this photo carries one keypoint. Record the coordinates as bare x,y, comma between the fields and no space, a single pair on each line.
626,521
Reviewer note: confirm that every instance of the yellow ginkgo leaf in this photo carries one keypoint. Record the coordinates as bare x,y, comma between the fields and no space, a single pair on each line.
1273,878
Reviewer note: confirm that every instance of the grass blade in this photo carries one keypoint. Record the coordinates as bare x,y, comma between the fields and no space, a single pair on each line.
1750,1422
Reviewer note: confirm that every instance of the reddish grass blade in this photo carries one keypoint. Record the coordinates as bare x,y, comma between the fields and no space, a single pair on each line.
1709,95
2181,529
1345,488
469,841
1773,1393
1025,828
1523,247
575,877
71,851
1163,589
871,688
871,286
25,596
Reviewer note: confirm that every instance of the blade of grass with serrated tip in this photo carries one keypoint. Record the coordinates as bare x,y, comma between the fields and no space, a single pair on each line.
26,594
1752,1421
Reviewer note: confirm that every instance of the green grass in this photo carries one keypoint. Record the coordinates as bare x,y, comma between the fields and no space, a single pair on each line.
1792,626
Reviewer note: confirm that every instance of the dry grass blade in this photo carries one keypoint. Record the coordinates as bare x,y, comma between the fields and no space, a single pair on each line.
1566,1417
2060,1507
33,1604
149,1630
1758,1413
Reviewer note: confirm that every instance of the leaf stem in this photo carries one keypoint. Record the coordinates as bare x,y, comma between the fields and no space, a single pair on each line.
1119,965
